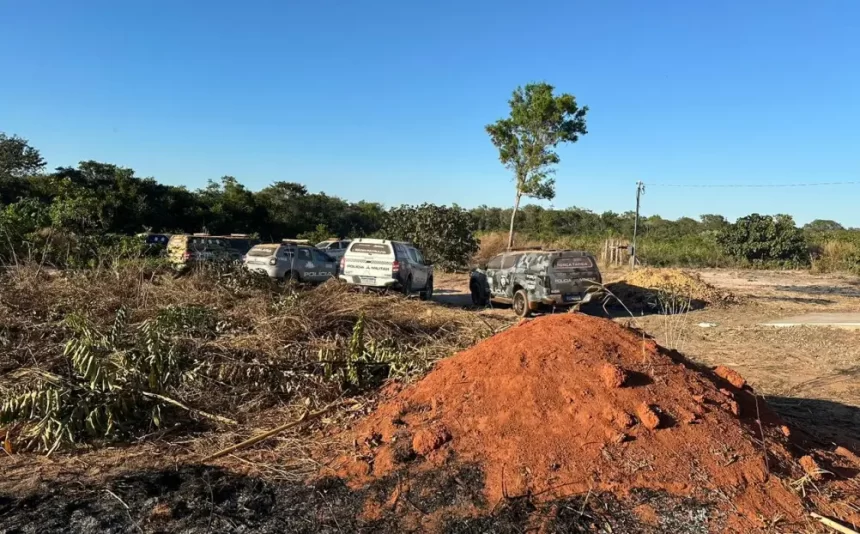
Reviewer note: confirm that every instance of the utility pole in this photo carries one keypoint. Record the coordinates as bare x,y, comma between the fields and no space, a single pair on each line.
640,188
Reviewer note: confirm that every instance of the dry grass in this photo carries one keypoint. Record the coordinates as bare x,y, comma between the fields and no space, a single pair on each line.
836,255
648,289
258,344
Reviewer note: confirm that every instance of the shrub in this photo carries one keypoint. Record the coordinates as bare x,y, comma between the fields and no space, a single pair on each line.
762,239
445,235
839,251
317,235
114,385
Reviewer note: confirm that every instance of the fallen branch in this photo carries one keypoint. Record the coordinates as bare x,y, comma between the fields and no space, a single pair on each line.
833,524
187,408
306,416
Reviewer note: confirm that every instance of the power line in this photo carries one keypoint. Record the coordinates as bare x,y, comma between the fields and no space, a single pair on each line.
811,184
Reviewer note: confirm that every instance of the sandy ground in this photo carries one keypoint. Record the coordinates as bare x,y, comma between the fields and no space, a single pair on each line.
810,374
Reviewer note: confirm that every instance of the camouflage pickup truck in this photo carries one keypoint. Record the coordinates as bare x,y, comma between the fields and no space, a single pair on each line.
529,279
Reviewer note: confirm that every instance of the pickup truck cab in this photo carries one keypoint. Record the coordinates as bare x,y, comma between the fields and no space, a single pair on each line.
384,264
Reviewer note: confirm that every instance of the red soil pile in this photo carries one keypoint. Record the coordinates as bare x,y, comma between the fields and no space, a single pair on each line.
571,404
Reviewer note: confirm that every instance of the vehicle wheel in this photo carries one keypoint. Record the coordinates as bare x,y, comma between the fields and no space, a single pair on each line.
478,297
427,293
407,287
521,303
292,277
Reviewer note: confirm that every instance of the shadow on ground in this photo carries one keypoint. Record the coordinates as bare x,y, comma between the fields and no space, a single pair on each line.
638,300
826,421
841,291
795,300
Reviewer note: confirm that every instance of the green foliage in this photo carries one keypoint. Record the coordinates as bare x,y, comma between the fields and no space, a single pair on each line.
191,320
114,386
765,239
80,251
231,207
527,138
446,235
367,362
317,235
18,158
821,225
97,197
80,217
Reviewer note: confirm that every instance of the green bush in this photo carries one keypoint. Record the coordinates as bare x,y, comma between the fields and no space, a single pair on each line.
64,249
317,235
762,239
446,235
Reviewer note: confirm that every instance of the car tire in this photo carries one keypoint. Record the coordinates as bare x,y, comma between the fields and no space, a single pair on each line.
521,303
478,296
427,292
407,287
293,277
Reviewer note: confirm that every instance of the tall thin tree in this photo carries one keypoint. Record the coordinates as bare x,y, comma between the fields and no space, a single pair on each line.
527,139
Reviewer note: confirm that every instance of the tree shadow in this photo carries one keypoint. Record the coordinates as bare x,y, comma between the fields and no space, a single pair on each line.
453,299
840,291
827,422
796,300
646,301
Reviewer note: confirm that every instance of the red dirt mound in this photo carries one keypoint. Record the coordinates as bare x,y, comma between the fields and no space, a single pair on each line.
541,409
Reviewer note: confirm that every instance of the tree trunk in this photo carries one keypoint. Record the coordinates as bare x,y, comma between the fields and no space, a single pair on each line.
514,216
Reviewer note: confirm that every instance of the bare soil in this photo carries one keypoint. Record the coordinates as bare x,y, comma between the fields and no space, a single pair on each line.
809,374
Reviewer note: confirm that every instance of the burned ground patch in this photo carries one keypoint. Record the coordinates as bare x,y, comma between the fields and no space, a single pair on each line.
202,499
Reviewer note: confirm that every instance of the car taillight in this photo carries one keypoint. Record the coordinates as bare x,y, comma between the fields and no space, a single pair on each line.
395,267
273,261
342,263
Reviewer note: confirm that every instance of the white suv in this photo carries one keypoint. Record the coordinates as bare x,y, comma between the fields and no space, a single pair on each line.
385,264
292,262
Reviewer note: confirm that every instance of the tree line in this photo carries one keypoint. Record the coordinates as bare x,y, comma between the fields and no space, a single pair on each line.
101,197
97,198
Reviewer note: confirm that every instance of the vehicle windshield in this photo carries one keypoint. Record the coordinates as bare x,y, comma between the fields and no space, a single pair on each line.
262,252
242,245
571,263
324,244
371,248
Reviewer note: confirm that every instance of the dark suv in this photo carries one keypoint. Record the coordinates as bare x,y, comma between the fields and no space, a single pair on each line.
529,279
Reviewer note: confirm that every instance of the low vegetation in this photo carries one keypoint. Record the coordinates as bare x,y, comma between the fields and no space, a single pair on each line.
103,355
837,251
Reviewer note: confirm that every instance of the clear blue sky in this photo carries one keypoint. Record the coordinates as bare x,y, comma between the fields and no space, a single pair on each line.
387,101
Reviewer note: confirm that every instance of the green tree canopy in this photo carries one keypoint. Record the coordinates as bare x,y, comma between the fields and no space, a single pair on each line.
763,238
823,225
444,234
527,138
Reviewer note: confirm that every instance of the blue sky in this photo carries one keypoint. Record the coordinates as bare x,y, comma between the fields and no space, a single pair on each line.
387,101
